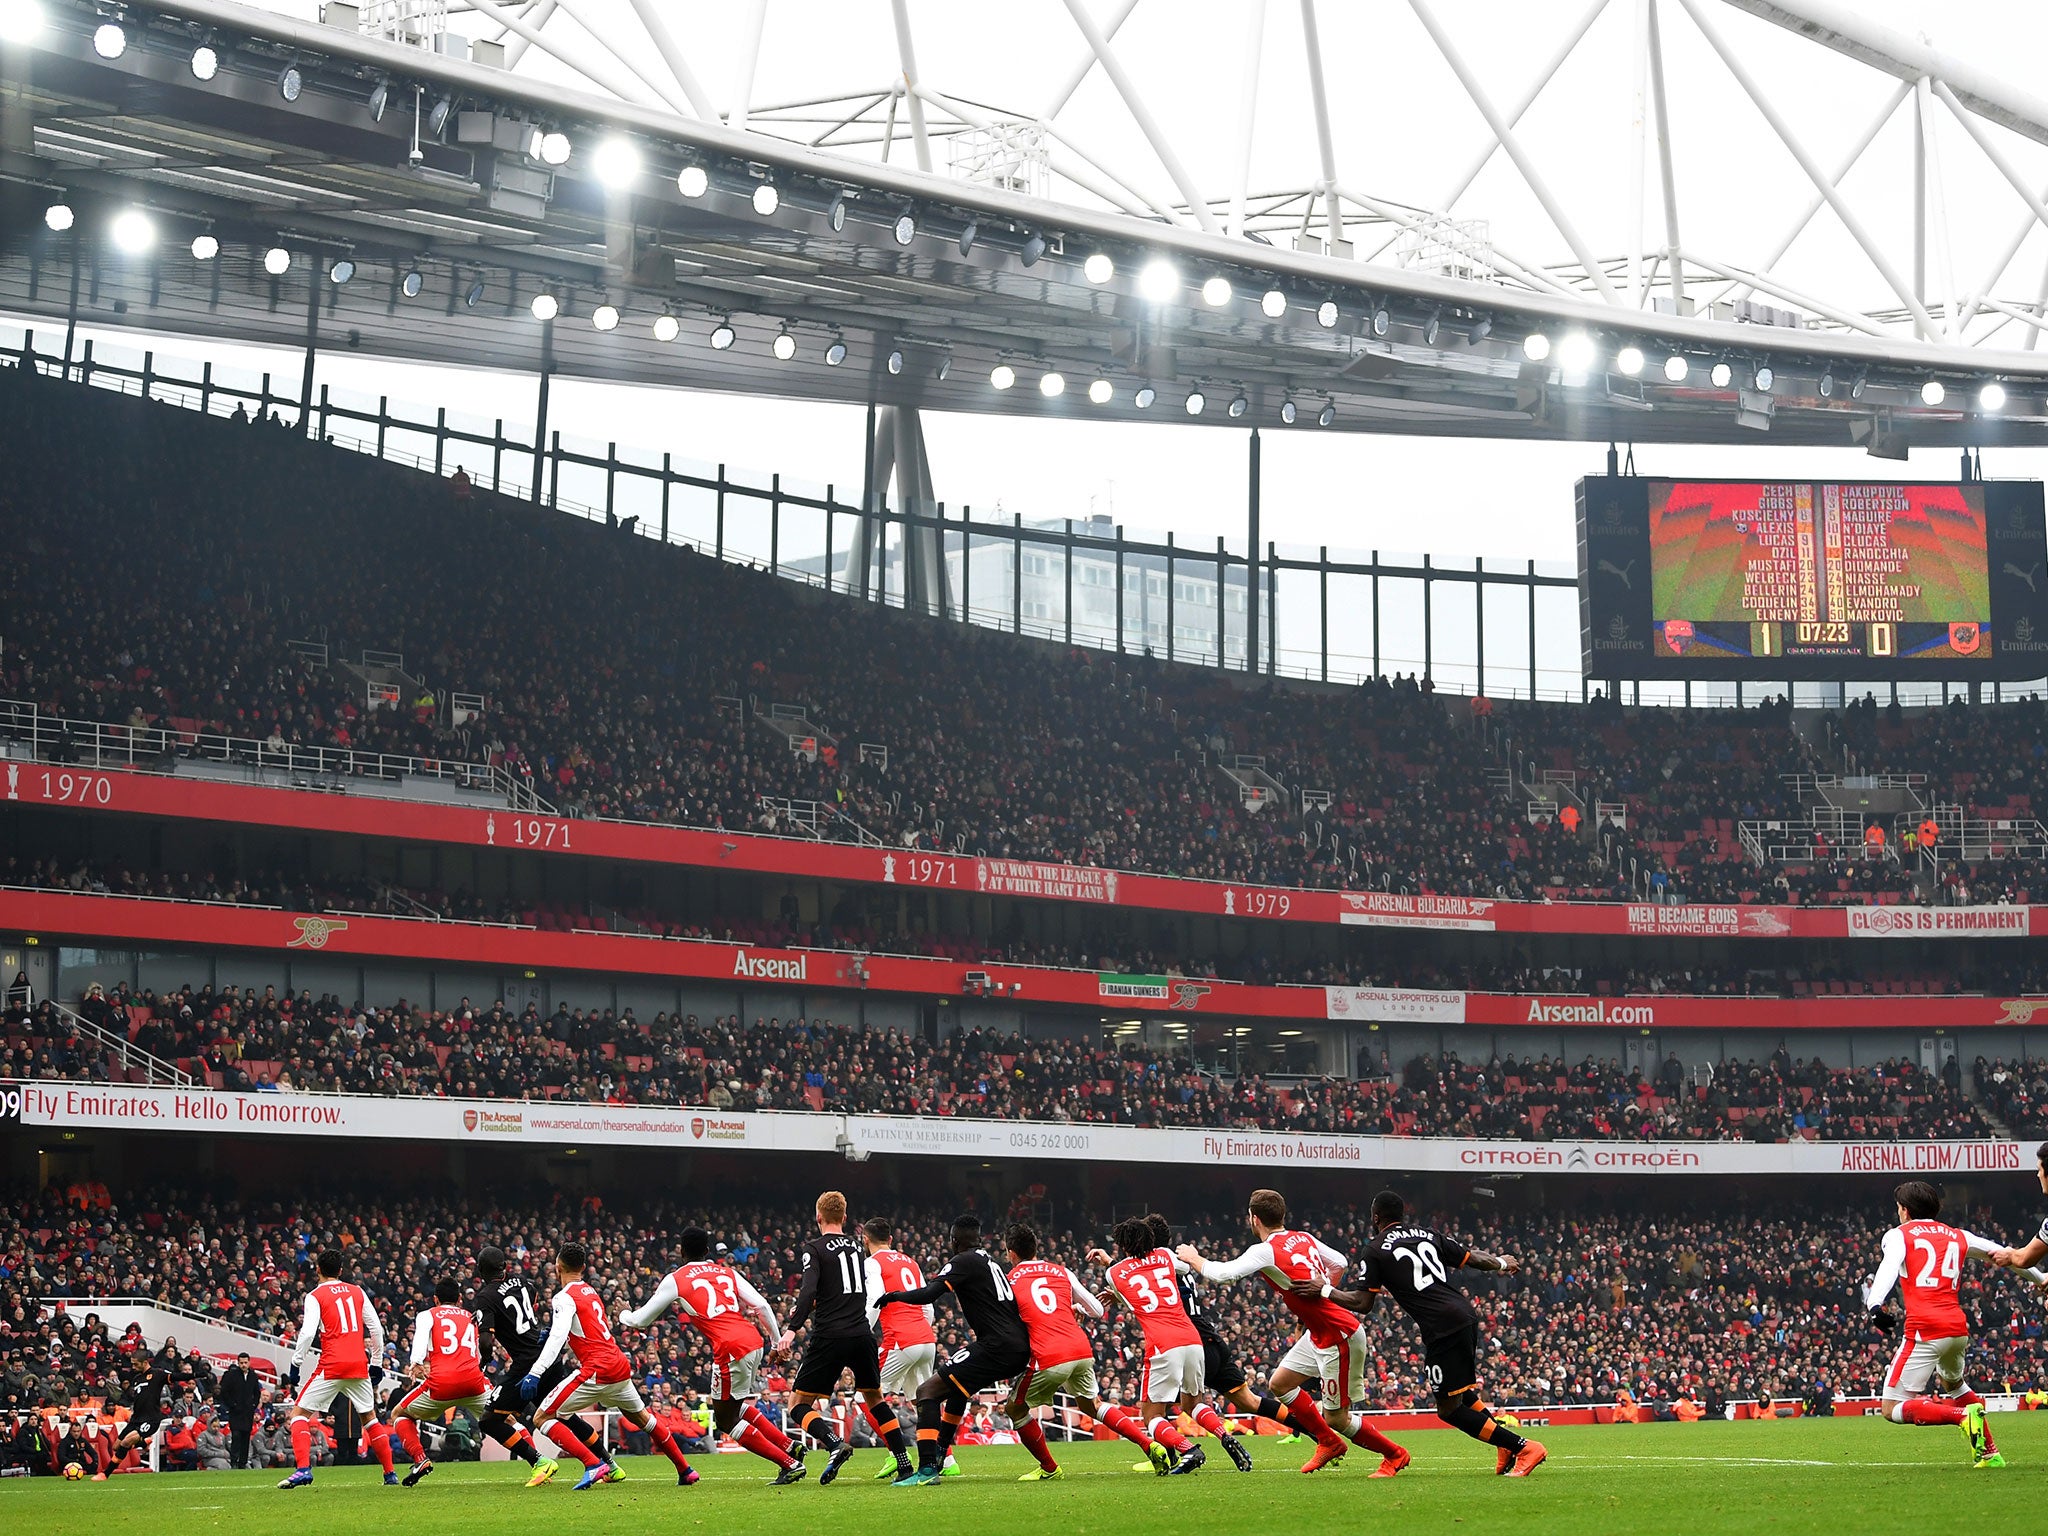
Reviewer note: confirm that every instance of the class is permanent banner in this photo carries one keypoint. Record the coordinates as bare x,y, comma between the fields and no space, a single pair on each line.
93,1106
367,815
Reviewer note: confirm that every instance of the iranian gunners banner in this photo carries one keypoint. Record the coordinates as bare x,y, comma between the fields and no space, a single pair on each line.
366,815
82,1106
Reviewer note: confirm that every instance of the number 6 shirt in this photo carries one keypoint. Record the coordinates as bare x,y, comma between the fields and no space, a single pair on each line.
1413,1265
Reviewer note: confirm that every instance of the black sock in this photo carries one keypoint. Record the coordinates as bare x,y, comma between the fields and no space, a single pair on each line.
952,1410
930,1426
1270,1407
819,1429
582,1429
499,1427
891,1428
1482,1426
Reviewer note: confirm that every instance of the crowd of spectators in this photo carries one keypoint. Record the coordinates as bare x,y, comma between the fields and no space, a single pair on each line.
1721,1302
241,1040
162,585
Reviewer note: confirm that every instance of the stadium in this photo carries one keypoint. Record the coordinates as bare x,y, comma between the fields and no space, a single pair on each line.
613,861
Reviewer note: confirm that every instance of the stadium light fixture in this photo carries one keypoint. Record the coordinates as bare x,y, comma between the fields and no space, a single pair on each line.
783,346
1216,292
437,116
1158,281
1272,303
1326,314
475,295
1723,375
132,231
894,361
545,306
1991,397
1002,376
835,354
1481,329
1630,361
905,227
290,82
1858,384
693,181
380,100
1144,397
1763,377
1382,319
1536,346
277,261
968,234
1239,404
554,148
1101,392
1825,384
667,327
1326,415
605,317
204,247
835,212
766,199
205,63
341,272
411,284
617,164
21,22
58,216
1288,412
1196,402
1098,268
1933,392
1033,250
109,40
1676,368
1576,353
722,336
1432,328
1052,384
944,369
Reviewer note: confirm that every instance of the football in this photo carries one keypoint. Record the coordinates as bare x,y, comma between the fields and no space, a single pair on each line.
73,1472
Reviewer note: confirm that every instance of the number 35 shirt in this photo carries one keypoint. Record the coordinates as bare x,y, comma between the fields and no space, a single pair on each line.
1413,1265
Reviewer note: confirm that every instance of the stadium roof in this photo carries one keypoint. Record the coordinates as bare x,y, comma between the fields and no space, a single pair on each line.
366,156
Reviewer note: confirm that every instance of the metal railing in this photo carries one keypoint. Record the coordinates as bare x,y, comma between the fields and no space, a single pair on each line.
161,1073
82,1304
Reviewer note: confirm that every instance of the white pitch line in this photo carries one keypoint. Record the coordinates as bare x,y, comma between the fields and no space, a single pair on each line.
1747,1461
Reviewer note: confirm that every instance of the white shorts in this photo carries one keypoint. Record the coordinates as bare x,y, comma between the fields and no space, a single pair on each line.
318,1395
1173,1372
1917,1363
908,1366
578,1392
734,1377
1341,1368
1040,1385
420,1403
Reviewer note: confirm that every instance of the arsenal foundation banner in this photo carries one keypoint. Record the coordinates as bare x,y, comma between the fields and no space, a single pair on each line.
202,1111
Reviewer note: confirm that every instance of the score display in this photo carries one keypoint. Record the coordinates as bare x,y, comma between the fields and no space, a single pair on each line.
1812,580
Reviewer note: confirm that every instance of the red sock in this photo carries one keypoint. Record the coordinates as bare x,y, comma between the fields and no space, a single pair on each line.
1168,1436
748,1438
1366,1438
1209,1419
665,1443
1307,1417
1123,1422
770,1431
379,1436
873,1423
1968,1398
302,1444
565,1437
409,1438
1928,1410
1033,1436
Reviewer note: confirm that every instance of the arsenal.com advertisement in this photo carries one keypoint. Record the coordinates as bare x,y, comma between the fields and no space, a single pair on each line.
74,1106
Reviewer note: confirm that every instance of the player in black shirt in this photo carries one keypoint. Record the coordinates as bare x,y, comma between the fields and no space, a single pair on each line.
1413,1265
833,1299
145,1412
1000,1350
505,1311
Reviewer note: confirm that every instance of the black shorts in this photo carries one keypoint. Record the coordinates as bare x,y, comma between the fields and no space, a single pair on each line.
1221,1373
827,1358
982,1365
1451,1361
146,1428
507,1399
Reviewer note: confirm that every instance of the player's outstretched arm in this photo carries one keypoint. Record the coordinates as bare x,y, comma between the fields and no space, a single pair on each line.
2025,1257
1255,1258
657,1305
1360,1300
757,1304
1497,1263
558,1336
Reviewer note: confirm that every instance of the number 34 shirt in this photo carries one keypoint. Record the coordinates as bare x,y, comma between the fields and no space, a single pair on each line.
1413,1265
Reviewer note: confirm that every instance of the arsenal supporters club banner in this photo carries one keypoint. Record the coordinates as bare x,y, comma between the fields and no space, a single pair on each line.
94,1106
367,815
170,924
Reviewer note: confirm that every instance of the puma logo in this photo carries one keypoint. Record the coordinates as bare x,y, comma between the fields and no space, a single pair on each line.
2030,575
1622,573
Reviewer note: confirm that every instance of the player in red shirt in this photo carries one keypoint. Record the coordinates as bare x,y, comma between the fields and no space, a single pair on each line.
1062,1360
717,1301
1923,1256
603,1377
1332,1345
338,1317
446,1364
909,1349
1143,1277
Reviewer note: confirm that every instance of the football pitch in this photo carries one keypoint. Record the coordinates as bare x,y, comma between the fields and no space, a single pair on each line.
1791,1475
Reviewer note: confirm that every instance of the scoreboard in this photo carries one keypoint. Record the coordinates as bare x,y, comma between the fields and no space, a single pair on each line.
1812,580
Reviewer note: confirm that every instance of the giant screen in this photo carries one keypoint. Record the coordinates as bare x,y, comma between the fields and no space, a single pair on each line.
1807,579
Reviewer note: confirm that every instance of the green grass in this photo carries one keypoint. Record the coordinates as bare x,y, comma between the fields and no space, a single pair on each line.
1792,1475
